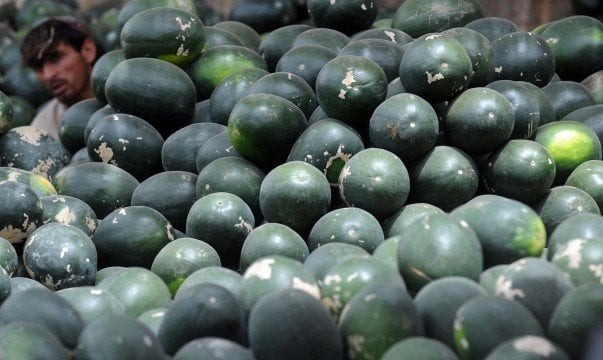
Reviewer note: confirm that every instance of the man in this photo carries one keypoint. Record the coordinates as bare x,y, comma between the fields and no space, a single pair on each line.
62,52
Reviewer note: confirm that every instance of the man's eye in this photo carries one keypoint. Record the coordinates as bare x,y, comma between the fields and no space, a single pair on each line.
53,57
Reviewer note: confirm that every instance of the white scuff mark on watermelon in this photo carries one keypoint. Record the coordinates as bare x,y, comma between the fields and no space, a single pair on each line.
43,167
96,291
345,172
183,26
147,341
498,69
29,134
68,268
432,78
412,124
573,252
59,199
49,282
12,176
212,299
122,211
519,264
65,216
123,142
260,268
244,224
419,273
458,328
182,51
14,235
349,79
333,2
332,237
356,345
64,250
352,276
339,155
330,279
460,171
351,233
332,303
301,67
309,156
597,270
114,221
90,223
504,288
139,138
341,94
464,224
87,260
105,153
28,226
370,297
432,36
170,231
307,287
363,7
391,35
535,345
157,314
552,40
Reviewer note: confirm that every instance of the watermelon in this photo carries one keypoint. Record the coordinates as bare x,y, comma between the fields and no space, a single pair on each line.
272,239
60,256
438,236
348,225
269,274
180,258
124,337
172,34
377,317
30,340
132,236
208,310
91,302
278,319
138,289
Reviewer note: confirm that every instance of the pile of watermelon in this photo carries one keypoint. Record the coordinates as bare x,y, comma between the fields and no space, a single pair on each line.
306,180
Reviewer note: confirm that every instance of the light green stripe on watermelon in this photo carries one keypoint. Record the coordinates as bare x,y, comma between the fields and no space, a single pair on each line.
39,184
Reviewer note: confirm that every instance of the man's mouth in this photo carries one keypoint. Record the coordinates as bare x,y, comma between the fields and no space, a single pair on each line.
58,88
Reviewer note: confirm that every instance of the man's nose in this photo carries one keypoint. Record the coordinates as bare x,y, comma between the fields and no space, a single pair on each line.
47,72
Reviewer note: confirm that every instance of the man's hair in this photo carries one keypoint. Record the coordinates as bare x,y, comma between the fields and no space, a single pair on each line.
41,42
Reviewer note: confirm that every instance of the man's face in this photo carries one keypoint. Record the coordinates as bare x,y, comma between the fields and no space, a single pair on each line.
66,74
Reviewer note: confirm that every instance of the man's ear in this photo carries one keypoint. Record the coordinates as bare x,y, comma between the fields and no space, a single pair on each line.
89,51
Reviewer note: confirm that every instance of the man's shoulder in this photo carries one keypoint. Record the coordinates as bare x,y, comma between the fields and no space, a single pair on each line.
49,116
52,106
